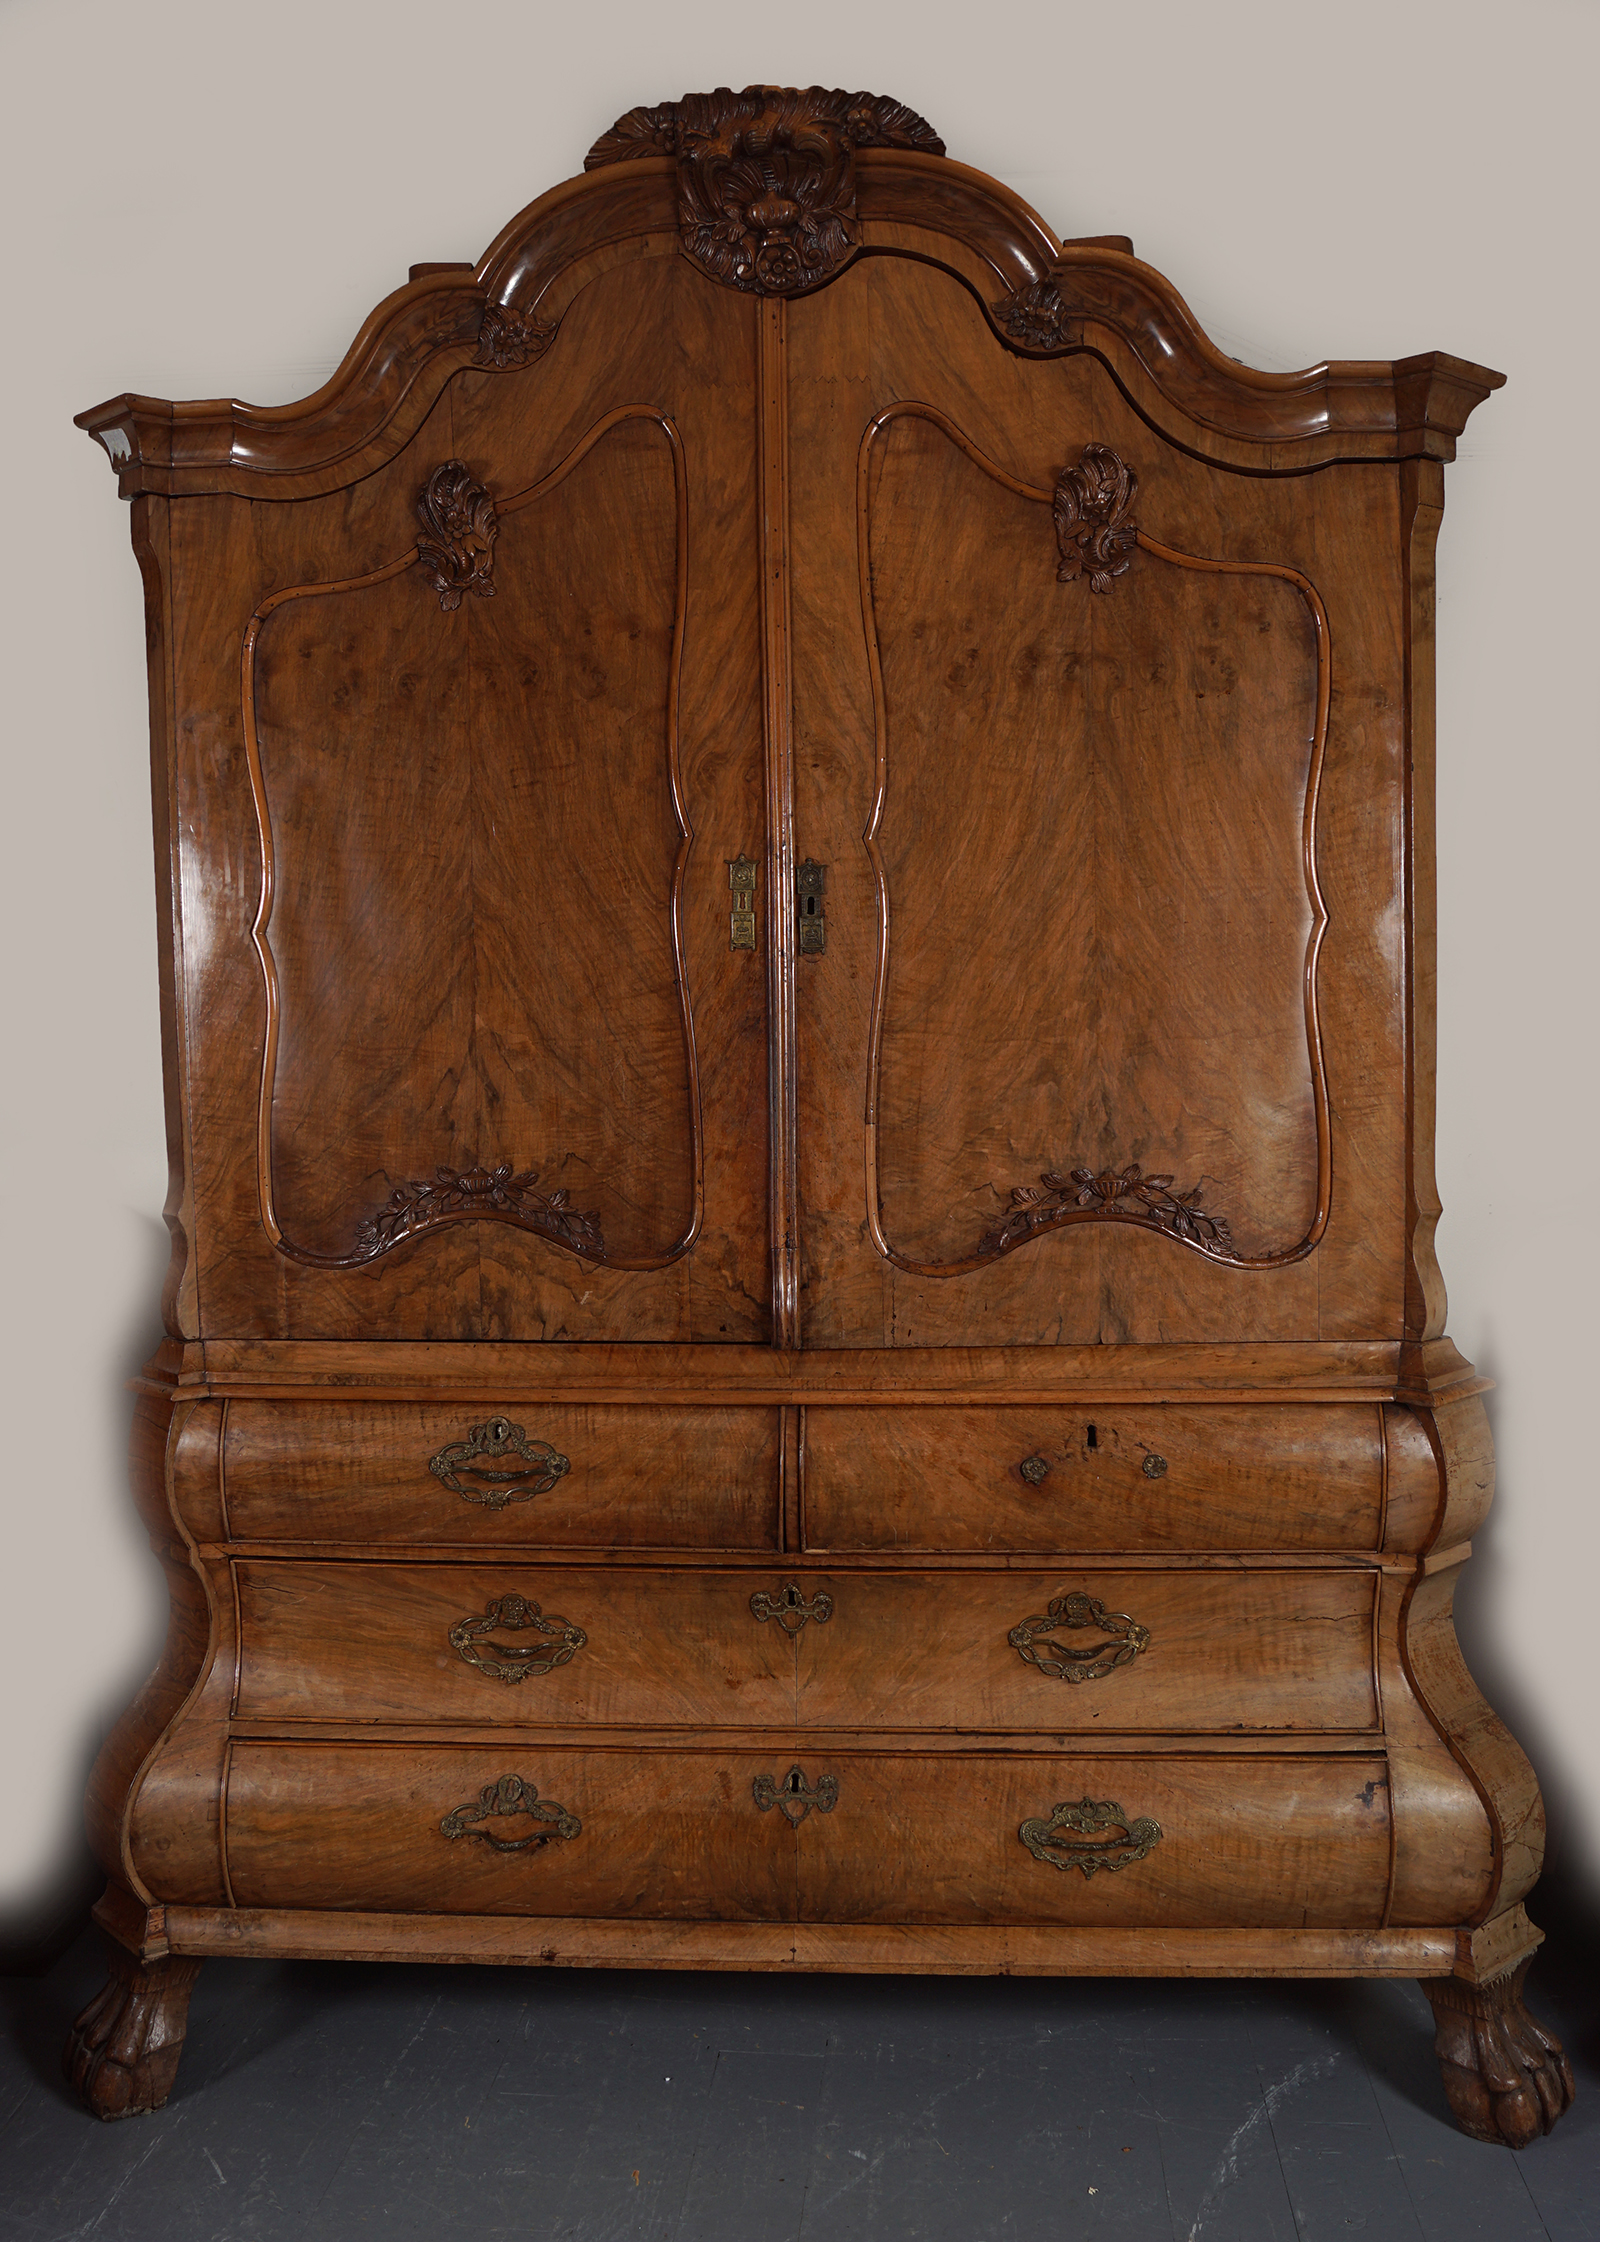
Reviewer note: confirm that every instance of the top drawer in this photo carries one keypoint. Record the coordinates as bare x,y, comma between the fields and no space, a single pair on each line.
1149,1476
537,1475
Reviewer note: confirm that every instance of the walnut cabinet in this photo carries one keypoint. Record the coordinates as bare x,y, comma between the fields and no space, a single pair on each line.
794,834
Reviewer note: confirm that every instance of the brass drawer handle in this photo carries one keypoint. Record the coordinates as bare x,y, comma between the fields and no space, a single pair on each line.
510,1796
1033,1639
514,1662
1092,1835
468,1467
794,1797
790,1609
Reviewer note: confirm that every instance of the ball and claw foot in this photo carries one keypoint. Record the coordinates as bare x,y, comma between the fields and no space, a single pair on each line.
122,2053
1507,2079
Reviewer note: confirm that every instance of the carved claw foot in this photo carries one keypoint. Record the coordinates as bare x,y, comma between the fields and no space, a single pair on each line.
122,2053
1506,2077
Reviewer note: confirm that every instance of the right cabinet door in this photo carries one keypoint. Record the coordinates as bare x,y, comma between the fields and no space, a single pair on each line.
1104,1042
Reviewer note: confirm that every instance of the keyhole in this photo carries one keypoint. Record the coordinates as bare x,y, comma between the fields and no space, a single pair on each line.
498,1428
795,1781
1094,1437
811,906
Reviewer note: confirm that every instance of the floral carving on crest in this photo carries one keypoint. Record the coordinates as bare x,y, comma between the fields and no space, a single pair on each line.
1090,503
766,178
1035,317
459,528
512,338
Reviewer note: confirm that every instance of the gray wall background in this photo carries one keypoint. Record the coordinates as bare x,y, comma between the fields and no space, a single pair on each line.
203,199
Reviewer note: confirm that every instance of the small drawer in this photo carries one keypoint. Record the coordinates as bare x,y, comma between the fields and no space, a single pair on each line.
1145,1477
1198,1841
1061,1653
550,1475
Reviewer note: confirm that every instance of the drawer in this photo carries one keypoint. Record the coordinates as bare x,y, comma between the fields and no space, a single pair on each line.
1196,1841
1062,1652
421,1472
1150,1476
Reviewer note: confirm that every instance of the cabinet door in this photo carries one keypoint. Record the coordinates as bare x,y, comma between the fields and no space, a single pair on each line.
1103,1042
477,1058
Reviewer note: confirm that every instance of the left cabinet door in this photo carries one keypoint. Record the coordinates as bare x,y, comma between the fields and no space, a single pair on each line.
462,754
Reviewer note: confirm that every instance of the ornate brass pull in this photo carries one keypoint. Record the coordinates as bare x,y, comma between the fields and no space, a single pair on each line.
794,1797
742,917
790,1609
510,1796
1092,1835
1032,1639
468,1467
514,1662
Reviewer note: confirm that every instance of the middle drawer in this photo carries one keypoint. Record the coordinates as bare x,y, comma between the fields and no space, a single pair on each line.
1071,1650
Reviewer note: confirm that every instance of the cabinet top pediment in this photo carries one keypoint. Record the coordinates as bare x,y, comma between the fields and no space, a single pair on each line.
774,192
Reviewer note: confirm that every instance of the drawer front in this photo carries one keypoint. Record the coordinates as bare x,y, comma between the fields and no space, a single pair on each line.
1198,1841
420,1472
1151,1476
1062,1652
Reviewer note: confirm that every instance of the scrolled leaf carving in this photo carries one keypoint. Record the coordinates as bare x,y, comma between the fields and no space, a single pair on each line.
766,178
459,527
1126,1194
554,1641
1035,316
1037,1640
456,1194
1090,504
1092,1835
512,338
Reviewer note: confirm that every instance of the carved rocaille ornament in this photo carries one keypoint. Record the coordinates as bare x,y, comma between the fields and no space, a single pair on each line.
459,528
1091,502
512,338
1126,1194
453,1194
1035,317
766,178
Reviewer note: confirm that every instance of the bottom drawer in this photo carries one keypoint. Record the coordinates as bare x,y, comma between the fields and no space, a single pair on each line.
1183,1840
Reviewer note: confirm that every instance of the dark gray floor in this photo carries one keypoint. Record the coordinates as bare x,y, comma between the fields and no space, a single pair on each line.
324,2101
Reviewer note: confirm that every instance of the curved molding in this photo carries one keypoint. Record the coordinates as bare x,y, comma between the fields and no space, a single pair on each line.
1042,298
455,558
1129,1199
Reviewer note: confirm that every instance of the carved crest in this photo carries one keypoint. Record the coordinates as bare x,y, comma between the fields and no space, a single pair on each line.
766,178
1091,500
459,528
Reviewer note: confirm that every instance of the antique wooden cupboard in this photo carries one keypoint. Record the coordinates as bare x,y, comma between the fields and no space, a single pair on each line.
794,836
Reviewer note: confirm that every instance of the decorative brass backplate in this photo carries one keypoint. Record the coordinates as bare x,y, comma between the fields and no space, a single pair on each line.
742,917
510,1796
1032,1639
469,1467
1034,1469
811,909
514,1662
794,1797
1092,1835
790,1609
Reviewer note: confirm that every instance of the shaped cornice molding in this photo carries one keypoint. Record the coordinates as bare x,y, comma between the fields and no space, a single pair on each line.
1042,298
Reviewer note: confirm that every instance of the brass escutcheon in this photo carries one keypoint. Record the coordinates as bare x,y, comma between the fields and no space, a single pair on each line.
742,916
790,1609
794,1797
